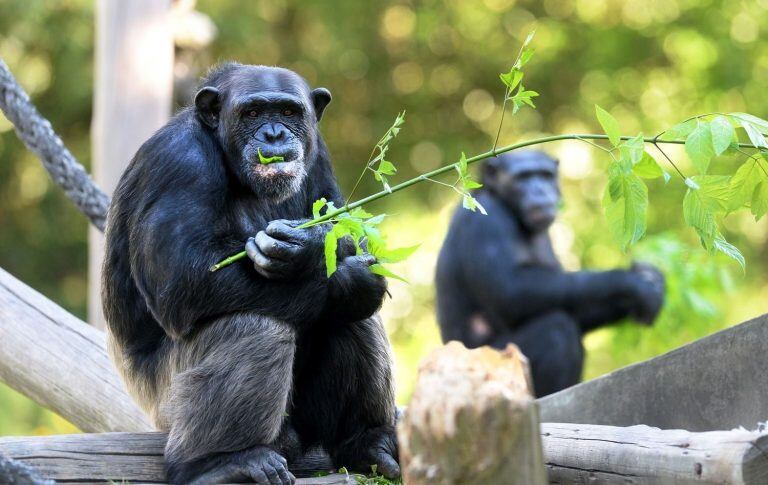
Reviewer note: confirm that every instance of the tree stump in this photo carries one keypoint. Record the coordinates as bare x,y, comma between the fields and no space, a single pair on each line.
472,419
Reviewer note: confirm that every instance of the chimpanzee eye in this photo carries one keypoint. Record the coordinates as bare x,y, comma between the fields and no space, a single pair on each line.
287,112
253,113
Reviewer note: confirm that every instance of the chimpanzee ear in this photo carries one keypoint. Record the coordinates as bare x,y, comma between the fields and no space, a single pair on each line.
320,99
208,105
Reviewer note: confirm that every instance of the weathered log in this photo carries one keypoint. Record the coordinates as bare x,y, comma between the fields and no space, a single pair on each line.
573,453
133,457
578,453
472,419
60,362
13,472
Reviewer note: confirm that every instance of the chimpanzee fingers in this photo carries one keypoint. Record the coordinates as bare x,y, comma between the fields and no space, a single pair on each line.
269,268
274,248
286,230
281,468
387,466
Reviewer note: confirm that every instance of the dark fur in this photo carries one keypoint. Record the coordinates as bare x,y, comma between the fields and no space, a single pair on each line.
267,358
499,282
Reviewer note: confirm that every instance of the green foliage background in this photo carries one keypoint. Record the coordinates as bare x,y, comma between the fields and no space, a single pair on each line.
651,63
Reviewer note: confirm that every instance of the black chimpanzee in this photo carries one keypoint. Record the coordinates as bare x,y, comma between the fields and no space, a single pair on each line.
498,280
250,366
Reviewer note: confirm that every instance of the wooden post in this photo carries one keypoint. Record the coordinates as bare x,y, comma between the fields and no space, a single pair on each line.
472,420
132,99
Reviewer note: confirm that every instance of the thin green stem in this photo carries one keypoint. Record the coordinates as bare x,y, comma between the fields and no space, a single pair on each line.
656,144
404,185
501,122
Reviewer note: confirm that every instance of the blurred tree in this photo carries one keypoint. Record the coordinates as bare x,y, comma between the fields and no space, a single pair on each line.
650,62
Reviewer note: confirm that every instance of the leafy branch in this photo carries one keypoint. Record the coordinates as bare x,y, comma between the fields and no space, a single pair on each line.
625,200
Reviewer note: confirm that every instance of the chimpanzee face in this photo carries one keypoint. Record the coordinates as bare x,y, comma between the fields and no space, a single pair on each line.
527,183
266,109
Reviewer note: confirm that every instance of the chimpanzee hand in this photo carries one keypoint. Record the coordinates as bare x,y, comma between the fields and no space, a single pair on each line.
355,292
284,252
648,283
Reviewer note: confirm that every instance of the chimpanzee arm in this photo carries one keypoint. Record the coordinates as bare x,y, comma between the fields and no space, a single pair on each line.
177,238
502,280
600,311
522,292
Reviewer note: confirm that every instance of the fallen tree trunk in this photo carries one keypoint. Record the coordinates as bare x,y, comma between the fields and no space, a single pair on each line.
60,362
573,453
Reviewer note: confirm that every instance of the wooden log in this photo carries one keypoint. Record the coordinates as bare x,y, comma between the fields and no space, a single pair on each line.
579,453
131,457
573,453
472,419
60,362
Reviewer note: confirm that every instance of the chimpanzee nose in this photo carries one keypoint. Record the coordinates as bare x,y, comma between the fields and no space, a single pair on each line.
274,132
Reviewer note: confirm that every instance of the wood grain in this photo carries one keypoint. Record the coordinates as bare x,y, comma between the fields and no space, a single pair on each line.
60,362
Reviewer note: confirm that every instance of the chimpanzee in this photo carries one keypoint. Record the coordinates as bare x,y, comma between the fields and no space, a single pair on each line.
499,281
250,366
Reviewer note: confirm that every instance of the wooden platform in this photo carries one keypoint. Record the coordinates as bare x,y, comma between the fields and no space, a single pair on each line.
573,453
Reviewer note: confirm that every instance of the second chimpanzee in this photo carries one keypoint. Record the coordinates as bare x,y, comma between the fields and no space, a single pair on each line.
499,281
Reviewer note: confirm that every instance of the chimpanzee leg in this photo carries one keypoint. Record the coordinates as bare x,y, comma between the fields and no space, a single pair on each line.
552,344
226,403
343,397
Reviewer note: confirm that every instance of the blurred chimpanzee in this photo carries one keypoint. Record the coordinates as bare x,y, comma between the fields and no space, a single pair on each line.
249,366
498,280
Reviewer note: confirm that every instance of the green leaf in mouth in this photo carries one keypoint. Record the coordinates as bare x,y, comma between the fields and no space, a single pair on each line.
267,160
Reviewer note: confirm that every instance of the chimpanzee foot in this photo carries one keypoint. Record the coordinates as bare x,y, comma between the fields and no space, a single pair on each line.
261,465
376,447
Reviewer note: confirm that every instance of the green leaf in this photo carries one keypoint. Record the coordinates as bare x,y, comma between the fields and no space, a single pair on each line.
759,123
331,243
512,78
699,148
471,184
360,213
759,205
681,130
625,202
633,149
720,244
525,56
699,217
318,206
722,134
380,269
714,191
396,255
267,160
609,124
742,184
387,168
472,204
649,168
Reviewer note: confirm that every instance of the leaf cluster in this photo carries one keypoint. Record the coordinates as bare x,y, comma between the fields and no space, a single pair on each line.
361,227
513,79
708,196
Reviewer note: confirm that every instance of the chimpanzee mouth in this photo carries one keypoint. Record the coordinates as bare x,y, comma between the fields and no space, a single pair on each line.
268,163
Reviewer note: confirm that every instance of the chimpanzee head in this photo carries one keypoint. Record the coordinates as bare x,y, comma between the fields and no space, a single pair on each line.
527,183
267,109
